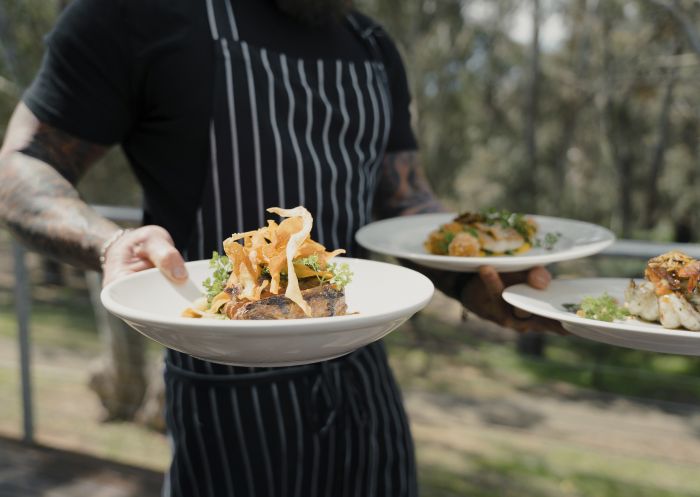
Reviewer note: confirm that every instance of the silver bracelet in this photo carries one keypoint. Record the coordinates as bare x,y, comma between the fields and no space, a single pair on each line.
109,242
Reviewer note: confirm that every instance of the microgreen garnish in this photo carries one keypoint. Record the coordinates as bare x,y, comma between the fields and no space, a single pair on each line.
214,285
311,262
603,308
341,272
549,241
342,275
509,219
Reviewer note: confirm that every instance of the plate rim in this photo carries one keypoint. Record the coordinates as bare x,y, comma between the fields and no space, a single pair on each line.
569,317
308,326
496,261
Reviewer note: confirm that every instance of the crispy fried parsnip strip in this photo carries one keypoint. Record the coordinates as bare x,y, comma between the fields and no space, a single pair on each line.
263,260
293,291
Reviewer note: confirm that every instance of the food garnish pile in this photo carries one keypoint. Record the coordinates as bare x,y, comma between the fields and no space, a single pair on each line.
275,272
487,233
669,294
603,308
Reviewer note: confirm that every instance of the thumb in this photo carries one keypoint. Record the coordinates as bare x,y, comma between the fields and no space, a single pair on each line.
492,281
161,251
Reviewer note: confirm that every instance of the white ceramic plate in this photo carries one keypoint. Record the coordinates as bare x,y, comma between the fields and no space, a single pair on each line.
403,237
383,295
630,333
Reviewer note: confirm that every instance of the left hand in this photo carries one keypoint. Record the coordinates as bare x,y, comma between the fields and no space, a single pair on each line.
482,296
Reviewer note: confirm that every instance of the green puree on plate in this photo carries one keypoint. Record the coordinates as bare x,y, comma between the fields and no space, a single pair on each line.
603,308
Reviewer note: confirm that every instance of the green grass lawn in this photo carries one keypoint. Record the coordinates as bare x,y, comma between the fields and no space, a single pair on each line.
431,356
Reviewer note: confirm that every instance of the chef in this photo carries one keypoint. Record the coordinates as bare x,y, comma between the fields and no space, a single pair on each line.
225,108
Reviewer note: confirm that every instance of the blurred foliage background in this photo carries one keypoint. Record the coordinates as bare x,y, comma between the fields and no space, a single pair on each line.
578,108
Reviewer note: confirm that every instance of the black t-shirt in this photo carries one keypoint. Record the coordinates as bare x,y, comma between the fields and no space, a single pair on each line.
140,73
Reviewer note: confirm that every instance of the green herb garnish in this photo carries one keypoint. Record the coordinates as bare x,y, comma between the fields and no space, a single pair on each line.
341,272
342,275
571,307
603,308
310,262
509,219
214,285
444,242
549,241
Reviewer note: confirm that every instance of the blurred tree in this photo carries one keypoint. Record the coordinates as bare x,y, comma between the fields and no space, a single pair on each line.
118,378
570,107
579,108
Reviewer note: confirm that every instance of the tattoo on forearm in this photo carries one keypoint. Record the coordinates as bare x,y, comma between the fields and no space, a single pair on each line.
40,205
69,156
403,188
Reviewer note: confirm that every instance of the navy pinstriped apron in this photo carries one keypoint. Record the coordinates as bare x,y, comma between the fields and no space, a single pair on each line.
285,132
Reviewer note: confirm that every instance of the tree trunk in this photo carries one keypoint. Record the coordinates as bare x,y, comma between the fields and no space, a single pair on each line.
578,98
8,52
657,160
614,117
119,376
532,107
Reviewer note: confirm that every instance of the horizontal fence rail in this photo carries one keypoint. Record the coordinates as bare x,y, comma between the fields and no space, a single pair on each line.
131,215
647,250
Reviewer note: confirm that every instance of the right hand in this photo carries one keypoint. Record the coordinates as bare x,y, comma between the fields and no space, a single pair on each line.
144,248
483,296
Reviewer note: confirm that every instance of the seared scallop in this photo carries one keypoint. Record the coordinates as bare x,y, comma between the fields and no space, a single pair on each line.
641,300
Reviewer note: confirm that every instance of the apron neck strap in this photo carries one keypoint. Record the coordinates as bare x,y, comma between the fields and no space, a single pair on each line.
368,35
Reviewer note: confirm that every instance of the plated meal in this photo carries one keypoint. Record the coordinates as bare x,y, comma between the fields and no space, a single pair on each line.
487,233
659,313
505,240
252,292
668,295
275,272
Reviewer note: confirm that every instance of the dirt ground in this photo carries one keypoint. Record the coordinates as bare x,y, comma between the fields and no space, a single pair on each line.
482,426
37,471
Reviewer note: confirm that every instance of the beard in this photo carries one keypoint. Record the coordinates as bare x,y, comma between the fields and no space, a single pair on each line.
315,13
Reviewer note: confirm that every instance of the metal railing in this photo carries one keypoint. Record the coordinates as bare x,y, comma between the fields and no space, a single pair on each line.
119,214
23,299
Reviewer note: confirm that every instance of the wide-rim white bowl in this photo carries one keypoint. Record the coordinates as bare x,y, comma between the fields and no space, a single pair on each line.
381,295
403,237
629,333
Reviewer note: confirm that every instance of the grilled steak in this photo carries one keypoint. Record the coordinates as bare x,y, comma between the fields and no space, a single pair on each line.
325,300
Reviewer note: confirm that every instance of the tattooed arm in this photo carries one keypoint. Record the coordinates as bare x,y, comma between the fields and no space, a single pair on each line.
404,190
39,168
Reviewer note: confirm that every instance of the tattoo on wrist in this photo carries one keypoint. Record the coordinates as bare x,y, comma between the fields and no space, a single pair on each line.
403,188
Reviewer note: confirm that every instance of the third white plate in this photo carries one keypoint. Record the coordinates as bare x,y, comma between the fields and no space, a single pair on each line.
403,237
630,333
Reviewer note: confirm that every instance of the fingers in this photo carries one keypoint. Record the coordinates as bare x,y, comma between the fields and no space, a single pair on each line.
492,281
144,248
539,278
520,314
160,250
494,284
536,323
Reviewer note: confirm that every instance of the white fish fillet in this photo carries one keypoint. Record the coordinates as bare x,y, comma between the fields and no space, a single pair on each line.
499,240
641,300
676,311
